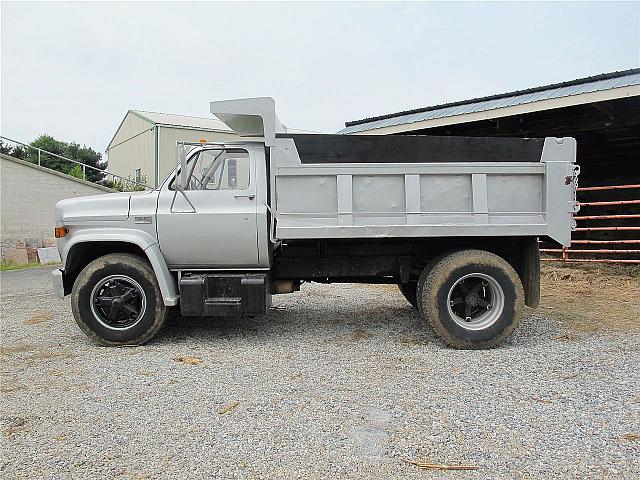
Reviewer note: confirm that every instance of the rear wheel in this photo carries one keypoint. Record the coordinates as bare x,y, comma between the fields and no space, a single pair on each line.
427,268
409,292
116,300
472,299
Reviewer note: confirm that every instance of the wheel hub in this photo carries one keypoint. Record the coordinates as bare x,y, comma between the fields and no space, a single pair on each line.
475,301
118,302
472,299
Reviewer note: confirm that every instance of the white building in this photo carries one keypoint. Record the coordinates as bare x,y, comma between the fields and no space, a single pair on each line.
143,147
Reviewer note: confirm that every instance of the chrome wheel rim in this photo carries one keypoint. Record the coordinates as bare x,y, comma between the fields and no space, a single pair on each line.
475,301
118,302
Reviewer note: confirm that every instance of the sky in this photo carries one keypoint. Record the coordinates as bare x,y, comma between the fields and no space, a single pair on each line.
72,70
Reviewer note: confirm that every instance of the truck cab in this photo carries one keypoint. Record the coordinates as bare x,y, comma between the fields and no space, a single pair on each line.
222,206
452,221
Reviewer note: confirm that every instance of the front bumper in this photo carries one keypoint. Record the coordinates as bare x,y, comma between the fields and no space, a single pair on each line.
58,283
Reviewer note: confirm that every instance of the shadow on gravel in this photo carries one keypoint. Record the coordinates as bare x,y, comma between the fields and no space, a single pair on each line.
398,325
293,320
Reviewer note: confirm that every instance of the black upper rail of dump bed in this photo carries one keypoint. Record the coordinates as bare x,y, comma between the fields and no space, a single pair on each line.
314,148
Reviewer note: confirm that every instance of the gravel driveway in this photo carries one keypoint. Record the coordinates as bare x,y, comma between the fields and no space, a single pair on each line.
336,382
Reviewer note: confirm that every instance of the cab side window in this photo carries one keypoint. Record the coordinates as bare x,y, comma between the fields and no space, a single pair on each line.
220,169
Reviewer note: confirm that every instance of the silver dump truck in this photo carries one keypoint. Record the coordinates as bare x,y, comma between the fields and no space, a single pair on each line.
453,221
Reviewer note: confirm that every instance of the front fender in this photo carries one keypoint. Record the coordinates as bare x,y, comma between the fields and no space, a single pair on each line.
143,240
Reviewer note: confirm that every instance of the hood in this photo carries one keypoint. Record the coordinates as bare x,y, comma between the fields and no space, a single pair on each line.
95,208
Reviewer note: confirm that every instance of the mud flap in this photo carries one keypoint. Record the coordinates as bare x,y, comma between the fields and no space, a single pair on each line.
530,272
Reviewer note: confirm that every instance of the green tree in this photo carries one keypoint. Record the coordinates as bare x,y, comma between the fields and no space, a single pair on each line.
49,144
90,157
4,148
76,172
72,150
17,151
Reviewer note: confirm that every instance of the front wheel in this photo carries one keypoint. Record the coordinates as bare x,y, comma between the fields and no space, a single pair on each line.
116,300
472,299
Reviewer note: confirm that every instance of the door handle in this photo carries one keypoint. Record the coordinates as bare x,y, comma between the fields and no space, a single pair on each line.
250,196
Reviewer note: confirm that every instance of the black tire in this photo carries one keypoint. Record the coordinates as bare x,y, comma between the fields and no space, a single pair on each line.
428,267
409,292
479,286
108,277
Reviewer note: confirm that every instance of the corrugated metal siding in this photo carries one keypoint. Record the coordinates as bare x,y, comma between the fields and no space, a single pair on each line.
509,101
133,146
131,125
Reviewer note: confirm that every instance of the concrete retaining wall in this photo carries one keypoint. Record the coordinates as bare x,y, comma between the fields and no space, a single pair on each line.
28,200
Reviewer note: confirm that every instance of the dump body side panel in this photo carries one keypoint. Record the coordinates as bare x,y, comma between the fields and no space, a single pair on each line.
359,188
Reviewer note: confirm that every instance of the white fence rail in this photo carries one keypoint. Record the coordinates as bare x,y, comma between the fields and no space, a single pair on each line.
125,183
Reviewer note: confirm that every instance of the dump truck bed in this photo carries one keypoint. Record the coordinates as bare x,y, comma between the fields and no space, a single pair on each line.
341,186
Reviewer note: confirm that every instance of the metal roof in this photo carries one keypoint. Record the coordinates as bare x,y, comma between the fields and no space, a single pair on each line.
185,121
606,81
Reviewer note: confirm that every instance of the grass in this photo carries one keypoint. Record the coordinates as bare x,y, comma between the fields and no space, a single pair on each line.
12,266
591,297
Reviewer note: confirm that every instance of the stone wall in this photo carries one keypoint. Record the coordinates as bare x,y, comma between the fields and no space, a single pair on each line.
28,200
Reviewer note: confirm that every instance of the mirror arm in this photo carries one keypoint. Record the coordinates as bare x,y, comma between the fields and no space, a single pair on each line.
173,201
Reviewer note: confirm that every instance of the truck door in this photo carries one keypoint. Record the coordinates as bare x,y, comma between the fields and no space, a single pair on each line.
214,223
